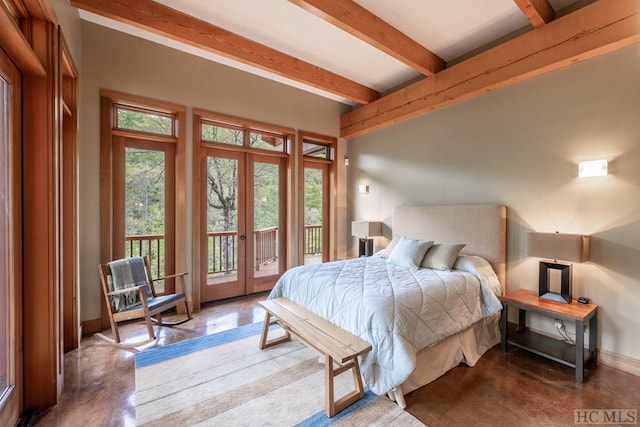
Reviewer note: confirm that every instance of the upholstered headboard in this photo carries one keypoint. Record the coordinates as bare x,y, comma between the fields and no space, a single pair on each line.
482,227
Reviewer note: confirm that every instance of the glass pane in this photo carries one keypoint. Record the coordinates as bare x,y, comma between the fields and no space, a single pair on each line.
145,207
143,121
318,151
267,142
222,134
222,220
313,184
5,247
266,207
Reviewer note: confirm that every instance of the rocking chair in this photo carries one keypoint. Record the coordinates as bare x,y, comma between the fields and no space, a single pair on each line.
129,293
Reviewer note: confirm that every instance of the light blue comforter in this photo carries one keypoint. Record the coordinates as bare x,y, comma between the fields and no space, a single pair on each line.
398,310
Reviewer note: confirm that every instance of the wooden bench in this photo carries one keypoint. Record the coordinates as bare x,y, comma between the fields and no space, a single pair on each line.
331,341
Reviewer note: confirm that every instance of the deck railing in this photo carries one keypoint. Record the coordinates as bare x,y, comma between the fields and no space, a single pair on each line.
222,256
266,244
312,239
222,246
149,245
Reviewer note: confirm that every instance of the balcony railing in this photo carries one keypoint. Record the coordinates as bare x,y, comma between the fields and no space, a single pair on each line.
149,245
222,246
312,239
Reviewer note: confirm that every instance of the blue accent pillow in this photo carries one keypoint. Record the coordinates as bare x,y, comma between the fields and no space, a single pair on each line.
409,252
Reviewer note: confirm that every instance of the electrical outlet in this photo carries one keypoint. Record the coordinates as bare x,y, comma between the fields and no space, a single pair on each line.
558,324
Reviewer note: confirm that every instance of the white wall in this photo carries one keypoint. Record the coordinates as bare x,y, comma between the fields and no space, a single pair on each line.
519,146
112,60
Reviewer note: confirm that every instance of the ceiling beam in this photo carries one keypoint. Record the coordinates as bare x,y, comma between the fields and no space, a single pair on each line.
151,16
359,22
593,30
538,12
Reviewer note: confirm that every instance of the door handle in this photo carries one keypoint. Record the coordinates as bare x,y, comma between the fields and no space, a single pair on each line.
242,237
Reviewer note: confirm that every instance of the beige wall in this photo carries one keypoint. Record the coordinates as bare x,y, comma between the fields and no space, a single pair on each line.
112,60
519,146
69,21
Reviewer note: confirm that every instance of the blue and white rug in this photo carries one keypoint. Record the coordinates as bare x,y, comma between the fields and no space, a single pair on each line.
226,380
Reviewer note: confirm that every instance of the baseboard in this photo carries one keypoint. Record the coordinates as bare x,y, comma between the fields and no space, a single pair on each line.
618,361
90,327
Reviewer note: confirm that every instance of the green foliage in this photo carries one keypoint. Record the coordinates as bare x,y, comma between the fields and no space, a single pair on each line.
144,192
221,134
222,194
313,196
266,195
144,122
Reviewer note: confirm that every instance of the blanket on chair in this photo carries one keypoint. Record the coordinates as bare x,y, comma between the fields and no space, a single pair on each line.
127,273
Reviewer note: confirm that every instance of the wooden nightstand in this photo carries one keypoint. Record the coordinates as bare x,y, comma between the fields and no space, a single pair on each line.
543,345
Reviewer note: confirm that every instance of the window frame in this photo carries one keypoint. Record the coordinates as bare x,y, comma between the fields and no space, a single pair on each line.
330,196
109,100
201,145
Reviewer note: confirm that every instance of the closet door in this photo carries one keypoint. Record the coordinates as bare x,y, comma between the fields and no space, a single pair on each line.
10,244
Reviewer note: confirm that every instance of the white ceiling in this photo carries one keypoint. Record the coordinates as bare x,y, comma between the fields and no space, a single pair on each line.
448,28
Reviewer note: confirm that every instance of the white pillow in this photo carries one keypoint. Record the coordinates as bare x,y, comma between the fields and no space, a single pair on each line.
386,252
441,256
409,252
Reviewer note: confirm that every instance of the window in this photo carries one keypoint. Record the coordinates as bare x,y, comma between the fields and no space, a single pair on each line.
317,181
317,150
144,174
143,120
222,134
241,133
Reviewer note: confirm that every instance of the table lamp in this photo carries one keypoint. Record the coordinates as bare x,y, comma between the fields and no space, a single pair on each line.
363,230
557,247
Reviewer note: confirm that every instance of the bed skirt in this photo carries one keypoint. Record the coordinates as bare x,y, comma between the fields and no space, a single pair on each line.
465,346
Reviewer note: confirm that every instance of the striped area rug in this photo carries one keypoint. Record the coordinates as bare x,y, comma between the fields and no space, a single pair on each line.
225,380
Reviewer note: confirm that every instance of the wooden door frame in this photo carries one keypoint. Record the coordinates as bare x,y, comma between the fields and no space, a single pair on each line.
69,200
330,195
11,404
119,148
263,284
200,115
108,99
237,287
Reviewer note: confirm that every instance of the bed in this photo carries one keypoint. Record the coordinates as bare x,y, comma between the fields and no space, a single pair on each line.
421,322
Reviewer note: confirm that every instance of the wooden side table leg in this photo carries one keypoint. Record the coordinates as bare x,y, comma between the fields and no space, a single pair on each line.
503,327
522,319
580,351
593,337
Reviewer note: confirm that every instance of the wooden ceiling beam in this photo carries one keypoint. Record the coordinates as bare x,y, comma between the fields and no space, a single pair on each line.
359,22
538,12
159,19
593,30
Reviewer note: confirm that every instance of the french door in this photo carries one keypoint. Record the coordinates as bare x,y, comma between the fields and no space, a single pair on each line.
10,244
316,190
242,246
144,204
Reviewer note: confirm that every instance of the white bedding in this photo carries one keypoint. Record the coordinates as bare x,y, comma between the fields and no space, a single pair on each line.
398,310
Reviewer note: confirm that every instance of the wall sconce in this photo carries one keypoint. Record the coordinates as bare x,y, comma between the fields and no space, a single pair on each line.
364,230
556,246
593,168
363,188
346,161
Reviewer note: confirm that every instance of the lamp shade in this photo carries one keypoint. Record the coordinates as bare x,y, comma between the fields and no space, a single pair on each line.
560,247
366,228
